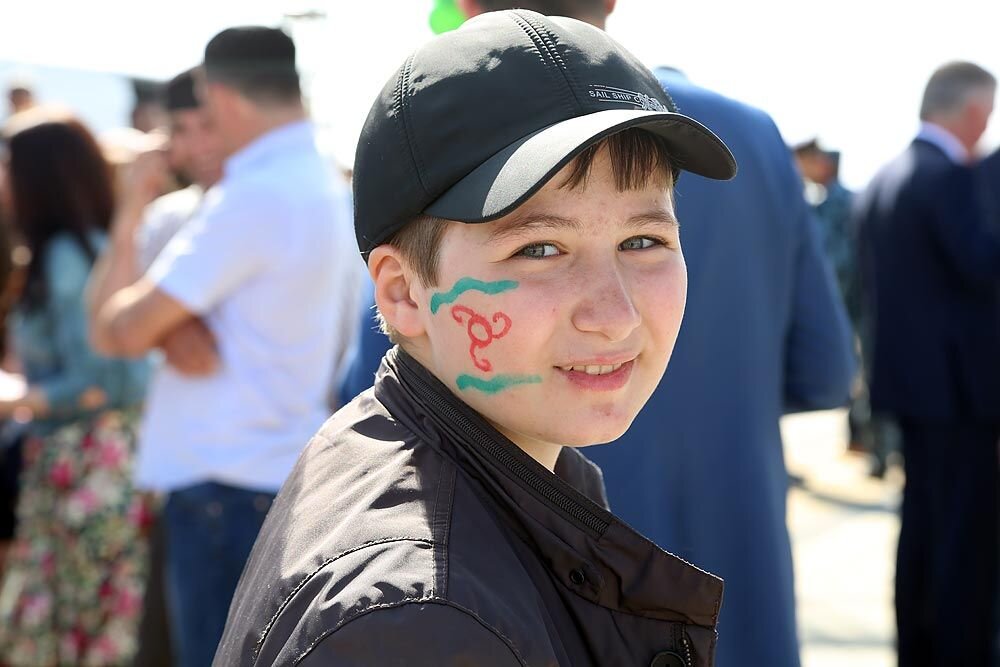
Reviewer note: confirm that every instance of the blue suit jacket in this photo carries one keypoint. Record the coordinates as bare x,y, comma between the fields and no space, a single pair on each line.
369,348
701,470
931,288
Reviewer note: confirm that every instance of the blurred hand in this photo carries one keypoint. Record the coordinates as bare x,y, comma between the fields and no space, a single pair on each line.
93,398
191,348
144,180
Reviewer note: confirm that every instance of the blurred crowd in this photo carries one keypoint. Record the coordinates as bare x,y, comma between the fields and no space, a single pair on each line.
184,304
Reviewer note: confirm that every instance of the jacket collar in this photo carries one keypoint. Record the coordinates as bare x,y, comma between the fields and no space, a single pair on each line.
290,137
605,560
944,141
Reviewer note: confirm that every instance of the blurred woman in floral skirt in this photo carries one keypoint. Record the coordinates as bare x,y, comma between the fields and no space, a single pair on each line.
72,588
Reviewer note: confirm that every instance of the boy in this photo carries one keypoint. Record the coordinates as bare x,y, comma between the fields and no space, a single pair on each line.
424,524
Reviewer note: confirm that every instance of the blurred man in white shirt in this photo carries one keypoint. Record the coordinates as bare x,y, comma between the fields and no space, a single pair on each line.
262,264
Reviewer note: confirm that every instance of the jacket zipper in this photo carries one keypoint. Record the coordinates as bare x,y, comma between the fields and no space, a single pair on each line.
686,645
506,459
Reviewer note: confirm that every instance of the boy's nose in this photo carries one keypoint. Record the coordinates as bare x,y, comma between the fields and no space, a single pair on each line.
606,305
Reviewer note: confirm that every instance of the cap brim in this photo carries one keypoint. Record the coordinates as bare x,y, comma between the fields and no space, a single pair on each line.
513,175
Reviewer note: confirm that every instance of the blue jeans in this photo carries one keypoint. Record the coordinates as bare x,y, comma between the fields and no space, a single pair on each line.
210,529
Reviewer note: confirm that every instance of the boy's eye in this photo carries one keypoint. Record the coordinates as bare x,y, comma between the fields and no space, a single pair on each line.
538,250
639,243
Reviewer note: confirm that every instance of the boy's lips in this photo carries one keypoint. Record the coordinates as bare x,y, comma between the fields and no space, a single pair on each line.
598,365
598,377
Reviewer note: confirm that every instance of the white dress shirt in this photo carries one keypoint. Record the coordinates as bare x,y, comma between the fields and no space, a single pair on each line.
265,262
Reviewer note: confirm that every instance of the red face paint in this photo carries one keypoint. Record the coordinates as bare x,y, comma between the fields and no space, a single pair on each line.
481,332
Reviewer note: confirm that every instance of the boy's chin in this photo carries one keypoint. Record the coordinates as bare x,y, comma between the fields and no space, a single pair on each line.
584,437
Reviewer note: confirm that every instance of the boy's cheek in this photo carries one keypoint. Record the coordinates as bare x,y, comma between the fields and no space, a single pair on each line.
488,338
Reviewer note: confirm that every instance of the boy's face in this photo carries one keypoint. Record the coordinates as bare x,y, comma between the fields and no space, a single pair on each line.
556,322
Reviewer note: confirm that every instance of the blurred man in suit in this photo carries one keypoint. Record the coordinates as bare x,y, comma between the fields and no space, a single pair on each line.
701,470
931,288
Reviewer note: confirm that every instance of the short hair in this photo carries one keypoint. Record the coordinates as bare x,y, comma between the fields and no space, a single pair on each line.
637,157
574,9
950,87
179,93
257,62
810,147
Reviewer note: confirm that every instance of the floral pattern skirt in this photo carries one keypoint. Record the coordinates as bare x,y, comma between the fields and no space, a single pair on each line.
73,585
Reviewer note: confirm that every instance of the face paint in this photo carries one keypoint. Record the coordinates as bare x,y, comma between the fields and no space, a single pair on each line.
495,384
466,284
481,332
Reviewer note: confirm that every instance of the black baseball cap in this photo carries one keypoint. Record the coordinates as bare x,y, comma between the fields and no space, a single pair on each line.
478,120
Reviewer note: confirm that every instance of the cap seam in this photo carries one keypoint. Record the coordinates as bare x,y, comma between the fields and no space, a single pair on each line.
548,58
550,43
401,104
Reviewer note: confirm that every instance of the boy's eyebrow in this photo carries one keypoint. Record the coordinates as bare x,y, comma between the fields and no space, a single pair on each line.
659,216
530,222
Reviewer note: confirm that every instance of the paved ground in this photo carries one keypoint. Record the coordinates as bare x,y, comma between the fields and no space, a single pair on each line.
844,526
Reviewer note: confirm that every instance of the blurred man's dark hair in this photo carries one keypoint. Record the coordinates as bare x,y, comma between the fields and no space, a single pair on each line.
594,12
551,7
256,61
179,92
20,96
810,147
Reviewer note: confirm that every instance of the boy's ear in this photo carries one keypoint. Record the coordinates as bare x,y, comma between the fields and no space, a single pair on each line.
393,291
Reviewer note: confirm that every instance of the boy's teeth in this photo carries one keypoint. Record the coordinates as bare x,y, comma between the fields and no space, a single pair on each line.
594,369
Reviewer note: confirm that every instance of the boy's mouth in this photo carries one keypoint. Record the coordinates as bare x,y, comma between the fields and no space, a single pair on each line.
593,369
598,377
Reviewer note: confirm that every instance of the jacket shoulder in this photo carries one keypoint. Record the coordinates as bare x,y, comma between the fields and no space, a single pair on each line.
384,574
359,523
419,632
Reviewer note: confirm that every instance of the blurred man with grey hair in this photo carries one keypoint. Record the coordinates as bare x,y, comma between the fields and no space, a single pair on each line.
931,294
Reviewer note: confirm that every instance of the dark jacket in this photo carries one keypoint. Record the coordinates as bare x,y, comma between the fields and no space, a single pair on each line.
412,533
931,290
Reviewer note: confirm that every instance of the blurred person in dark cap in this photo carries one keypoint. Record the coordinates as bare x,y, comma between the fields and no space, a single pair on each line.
194,155
257,263
832,203
873,435
930,267
701,471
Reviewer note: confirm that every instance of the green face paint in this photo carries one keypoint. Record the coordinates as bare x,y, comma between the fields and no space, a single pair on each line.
495,384
469,284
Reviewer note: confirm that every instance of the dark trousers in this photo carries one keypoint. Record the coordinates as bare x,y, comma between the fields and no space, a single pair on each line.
946,565
154,648
210,530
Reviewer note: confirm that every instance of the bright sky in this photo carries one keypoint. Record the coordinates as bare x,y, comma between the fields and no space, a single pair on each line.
850,72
